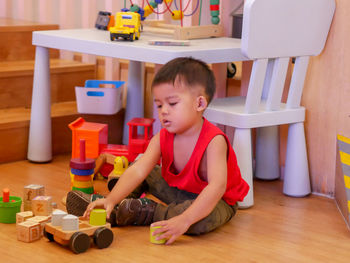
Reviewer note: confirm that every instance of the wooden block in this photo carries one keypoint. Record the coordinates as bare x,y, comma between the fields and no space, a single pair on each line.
41,220
70,223
33,190
196,32
28,231
23,216
57,216
41,205
27,205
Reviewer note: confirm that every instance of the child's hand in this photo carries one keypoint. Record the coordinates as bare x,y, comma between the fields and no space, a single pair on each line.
171,229
100,203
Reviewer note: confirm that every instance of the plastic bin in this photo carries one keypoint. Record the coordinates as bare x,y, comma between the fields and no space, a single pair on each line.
93,99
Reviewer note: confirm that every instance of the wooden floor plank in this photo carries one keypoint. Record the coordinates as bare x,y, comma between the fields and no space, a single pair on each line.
277,229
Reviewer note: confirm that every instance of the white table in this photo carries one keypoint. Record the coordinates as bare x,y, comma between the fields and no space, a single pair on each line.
97,42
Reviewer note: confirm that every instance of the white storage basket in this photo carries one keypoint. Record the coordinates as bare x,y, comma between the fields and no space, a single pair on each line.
93,99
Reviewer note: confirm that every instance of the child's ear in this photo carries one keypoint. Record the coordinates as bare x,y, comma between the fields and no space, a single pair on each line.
202,103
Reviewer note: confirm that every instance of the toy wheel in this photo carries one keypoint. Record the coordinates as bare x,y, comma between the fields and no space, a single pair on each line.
48,235
131,37
103,237
79,242
112,37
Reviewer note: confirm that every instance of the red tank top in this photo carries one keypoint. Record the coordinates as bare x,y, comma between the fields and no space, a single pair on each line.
188,179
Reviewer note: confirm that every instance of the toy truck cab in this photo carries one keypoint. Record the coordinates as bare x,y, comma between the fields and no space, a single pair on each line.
127,26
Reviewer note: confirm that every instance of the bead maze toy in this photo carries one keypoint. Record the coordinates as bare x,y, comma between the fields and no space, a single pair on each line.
180,11
82,171
9,206
75,233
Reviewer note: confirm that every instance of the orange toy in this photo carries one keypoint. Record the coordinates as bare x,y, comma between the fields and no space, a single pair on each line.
94,134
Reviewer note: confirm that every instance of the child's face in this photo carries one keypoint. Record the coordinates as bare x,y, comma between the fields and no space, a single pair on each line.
177,107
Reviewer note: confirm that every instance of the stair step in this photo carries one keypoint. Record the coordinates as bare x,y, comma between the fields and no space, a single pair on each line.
16,81
16,39
14,129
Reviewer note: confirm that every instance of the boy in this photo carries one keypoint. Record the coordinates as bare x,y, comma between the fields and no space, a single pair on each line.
199,179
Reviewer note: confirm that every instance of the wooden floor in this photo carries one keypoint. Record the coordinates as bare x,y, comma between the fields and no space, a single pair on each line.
277,229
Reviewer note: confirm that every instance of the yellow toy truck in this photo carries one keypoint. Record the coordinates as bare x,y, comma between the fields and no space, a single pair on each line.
127,26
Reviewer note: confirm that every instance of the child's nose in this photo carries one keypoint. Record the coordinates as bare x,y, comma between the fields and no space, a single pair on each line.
164,109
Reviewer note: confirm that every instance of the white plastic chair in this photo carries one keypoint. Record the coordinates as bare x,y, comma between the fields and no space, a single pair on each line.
273,32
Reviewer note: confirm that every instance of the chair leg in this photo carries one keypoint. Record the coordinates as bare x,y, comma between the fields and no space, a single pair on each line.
267,153
296,178
242,145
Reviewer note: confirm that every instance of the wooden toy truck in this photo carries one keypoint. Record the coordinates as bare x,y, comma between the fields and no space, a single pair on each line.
79,241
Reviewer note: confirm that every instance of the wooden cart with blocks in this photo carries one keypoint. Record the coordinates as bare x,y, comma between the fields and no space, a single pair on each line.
79,241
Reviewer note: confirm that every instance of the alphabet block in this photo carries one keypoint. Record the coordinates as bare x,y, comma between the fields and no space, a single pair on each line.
23,216
41,220
31,191
41,205
28,231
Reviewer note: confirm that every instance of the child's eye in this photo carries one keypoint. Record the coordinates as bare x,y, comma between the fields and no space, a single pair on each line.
159,106
172,103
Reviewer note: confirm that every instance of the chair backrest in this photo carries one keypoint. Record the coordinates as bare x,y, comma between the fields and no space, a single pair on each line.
273,32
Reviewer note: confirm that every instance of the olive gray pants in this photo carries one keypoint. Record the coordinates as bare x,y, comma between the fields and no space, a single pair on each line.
177,201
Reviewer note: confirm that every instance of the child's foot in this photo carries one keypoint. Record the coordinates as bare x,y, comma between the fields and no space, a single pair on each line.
135,212
77,202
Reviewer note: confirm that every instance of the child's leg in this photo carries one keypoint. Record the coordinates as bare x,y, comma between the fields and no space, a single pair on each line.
178,201
221,214
158,187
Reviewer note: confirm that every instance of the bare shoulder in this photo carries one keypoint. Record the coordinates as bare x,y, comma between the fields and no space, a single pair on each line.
217,145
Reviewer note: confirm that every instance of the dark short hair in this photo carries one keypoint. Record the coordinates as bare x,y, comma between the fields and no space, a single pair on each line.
191,71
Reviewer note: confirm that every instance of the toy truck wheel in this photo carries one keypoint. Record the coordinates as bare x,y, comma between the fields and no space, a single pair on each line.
131,37
103,237
48,235
79,242
112,37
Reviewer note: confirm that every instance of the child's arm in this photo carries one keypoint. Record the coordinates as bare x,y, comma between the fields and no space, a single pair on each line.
130,179
207,199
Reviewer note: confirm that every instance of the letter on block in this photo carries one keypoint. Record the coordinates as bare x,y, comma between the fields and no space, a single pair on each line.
28,231
31,191
41,205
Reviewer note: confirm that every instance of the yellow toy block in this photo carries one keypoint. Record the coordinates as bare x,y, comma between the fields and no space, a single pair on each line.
28,231
98,217
41,205
23,216
42,220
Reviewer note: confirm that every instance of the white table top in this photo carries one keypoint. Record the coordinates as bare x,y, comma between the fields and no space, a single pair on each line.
97,42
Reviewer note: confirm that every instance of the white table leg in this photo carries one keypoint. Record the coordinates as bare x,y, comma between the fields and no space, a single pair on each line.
135,96
40,142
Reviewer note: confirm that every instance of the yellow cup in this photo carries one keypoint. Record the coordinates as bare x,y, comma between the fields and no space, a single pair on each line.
152,238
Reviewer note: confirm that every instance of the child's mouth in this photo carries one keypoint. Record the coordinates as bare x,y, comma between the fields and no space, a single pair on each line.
166,123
